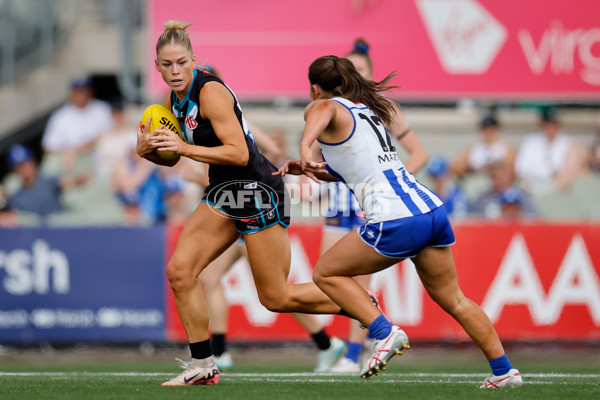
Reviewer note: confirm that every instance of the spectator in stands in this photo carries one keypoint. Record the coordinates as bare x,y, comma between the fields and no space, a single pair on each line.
73,129
511,204
594,153
503,196
549,159
8,218
174,196
138,185
113,145
455,201
489,148
38,195
195,180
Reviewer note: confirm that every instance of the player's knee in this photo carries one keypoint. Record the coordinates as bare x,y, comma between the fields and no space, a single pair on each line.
180,277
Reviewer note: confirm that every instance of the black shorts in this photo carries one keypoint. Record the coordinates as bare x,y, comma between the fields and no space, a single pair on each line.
253,205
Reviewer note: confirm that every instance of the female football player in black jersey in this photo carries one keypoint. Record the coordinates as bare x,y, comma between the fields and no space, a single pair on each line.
243,198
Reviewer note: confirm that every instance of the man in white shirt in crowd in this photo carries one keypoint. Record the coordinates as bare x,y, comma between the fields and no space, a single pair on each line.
549,159
73,129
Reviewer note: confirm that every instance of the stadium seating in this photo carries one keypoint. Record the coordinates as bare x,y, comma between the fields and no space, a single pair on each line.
579,202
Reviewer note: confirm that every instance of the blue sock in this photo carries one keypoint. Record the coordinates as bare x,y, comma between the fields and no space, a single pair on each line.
353,352
500,365
380,328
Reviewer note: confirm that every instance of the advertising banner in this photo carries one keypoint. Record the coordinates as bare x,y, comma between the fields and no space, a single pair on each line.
536,282
78,284
441,49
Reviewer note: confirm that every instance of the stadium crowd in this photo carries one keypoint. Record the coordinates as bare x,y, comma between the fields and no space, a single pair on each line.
86,171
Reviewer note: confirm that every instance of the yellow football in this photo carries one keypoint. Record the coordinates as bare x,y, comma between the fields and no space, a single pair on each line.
161,115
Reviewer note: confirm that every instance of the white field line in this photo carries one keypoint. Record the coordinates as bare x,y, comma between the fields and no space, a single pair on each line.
399,377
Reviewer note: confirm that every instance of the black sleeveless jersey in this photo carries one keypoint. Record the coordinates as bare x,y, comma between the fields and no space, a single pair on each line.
199,131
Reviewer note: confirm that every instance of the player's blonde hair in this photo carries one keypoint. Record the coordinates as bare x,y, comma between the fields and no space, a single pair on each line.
175,32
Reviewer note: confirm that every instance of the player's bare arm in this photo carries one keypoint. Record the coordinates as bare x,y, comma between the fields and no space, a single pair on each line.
217,106
319,116
294,167
409,141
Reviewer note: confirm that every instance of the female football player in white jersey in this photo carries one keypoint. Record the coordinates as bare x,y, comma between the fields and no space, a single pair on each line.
348,117
345,217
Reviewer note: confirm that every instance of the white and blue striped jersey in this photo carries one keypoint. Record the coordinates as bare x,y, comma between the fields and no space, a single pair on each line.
368,164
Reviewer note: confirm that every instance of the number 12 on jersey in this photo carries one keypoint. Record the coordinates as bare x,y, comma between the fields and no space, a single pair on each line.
384,138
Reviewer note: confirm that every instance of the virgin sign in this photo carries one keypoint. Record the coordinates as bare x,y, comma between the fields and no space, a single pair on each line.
440,48
466,37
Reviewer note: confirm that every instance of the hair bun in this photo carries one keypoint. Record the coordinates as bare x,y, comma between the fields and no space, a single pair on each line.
173,25
362,47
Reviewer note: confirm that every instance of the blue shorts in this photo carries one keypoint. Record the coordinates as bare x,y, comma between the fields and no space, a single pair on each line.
406,237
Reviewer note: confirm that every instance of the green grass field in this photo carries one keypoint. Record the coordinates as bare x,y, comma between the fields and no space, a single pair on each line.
428,376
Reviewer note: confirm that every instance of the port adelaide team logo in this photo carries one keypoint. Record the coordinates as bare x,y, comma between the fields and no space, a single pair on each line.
244,200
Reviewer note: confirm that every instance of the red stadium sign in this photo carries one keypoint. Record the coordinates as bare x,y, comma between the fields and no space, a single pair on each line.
441,49
536,282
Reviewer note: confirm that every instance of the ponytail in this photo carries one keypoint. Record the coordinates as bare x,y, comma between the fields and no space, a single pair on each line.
175,31
340,77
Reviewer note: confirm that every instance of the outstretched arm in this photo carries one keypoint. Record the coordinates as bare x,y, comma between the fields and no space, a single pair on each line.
319,116
293,167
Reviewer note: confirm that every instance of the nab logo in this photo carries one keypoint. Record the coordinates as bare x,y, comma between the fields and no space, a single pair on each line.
466,37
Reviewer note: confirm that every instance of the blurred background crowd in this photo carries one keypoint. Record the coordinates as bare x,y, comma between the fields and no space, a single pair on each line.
67,151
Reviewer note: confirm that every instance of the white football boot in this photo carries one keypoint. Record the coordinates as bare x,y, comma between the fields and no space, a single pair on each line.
345,366
327,358
383,350
224,361
197,372
512,379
